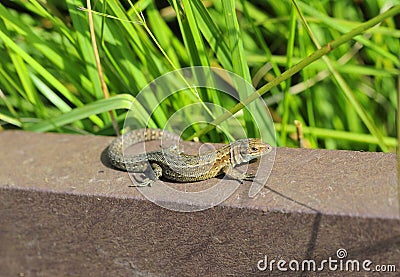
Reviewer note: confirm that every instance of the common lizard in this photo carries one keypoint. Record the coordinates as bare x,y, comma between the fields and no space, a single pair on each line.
173,165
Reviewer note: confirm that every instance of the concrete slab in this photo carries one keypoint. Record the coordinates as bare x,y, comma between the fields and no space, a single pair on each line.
64,212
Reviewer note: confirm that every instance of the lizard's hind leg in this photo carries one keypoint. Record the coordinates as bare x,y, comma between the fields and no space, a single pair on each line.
148,181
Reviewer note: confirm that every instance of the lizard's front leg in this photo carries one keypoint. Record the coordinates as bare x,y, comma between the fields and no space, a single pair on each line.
231,172
148,181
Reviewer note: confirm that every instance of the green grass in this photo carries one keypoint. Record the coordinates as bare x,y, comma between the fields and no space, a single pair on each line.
345,95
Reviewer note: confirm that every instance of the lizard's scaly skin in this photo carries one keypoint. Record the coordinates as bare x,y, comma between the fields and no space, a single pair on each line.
180,167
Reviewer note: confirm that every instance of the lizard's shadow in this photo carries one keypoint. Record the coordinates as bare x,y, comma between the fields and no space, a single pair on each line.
105,160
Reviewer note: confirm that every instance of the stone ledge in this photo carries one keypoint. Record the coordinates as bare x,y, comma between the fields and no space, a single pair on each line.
63,212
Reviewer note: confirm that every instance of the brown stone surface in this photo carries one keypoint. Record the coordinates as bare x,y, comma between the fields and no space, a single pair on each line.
63,212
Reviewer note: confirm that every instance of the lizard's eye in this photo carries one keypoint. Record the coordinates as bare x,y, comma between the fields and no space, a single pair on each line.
254,149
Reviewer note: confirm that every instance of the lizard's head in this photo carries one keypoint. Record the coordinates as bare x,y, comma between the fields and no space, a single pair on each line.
246,150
